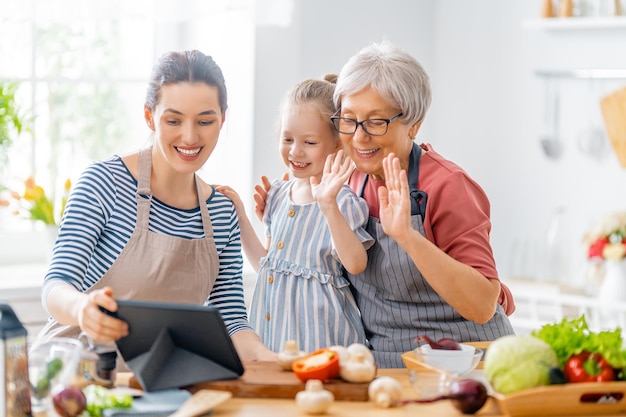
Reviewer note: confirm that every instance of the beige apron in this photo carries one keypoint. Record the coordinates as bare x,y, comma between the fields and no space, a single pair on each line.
153,266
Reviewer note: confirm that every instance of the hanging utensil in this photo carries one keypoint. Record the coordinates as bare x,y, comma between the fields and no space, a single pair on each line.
592,140
550,142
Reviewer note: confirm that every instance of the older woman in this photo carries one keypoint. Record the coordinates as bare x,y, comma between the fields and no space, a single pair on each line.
431,271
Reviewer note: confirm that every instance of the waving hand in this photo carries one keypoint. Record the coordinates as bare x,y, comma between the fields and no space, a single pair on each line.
395,204
337,170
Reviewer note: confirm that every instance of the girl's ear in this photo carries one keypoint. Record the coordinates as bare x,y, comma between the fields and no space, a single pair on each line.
147,114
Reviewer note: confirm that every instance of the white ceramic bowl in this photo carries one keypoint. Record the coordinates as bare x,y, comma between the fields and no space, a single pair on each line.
460,362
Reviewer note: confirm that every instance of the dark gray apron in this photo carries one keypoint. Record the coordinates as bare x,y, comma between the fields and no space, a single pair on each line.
397,304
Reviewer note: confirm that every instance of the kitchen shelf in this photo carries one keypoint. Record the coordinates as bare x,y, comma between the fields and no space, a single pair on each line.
606,74
576,23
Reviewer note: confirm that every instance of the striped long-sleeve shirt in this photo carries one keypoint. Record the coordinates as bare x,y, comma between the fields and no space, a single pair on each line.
100,217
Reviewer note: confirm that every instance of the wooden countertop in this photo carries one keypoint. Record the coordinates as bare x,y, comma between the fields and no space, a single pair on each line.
543,401
248,407
262,407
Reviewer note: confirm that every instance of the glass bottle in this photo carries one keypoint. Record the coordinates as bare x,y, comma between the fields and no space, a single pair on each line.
15,385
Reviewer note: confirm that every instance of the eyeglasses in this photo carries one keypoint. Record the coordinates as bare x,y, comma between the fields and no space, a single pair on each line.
373,127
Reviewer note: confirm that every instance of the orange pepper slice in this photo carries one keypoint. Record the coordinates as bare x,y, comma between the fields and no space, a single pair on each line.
323,364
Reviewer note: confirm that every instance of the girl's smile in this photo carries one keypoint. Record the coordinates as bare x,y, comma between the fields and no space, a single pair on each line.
306,140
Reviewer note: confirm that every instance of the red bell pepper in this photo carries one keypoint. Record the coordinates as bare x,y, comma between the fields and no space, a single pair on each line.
588,367
323,364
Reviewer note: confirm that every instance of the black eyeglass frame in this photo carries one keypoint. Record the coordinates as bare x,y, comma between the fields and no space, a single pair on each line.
361,123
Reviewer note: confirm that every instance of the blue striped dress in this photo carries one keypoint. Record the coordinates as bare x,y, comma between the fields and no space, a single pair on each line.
300,292
100,217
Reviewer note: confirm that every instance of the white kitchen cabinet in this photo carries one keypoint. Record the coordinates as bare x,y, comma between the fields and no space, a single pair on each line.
539,303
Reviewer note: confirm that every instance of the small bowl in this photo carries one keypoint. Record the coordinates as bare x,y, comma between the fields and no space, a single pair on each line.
458,362
430,384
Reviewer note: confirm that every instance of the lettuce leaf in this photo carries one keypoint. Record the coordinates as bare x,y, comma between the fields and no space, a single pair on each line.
100,398
572,336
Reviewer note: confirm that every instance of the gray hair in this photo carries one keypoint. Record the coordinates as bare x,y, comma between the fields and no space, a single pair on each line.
391,72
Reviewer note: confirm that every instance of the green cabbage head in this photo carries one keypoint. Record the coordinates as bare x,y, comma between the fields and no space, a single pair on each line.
517,362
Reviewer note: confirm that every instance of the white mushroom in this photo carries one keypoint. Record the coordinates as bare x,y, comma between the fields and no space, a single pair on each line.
361,348
289,355
314,399
342,353
357,369
385,391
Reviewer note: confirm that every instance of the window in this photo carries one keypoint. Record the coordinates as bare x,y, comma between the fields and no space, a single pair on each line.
83,67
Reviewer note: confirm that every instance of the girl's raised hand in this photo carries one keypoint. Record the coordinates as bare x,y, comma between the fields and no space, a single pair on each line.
337,170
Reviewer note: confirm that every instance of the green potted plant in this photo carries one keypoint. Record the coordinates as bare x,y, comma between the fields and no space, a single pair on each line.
12,124
11,119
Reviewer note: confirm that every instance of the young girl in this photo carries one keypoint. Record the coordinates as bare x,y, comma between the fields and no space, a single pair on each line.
314,226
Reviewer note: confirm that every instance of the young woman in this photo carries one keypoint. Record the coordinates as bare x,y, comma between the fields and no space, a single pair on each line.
144,226
314,225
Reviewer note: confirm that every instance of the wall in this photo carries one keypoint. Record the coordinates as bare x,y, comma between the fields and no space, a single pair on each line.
487,111
487,61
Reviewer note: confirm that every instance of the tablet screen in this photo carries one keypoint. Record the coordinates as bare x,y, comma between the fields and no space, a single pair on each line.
172,345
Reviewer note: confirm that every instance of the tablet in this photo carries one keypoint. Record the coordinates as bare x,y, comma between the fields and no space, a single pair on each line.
174,345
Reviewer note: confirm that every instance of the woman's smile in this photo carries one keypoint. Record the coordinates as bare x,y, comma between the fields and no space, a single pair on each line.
366,153
188,154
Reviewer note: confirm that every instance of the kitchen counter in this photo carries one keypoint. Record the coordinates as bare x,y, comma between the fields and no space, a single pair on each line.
542,302
20,287
263,407
583,399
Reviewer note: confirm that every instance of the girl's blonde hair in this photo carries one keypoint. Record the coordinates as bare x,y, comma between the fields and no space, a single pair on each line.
319,93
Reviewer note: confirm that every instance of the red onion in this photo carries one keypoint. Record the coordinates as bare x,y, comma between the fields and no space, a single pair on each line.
446,343
467,395
70,402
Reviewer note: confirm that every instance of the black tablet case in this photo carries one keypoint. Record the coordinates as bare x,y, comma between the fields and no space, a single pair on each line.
174,345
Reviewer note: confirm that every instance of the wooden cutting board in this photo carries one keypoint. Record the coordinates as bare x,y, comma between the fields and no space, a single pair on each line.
268,380
613,109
